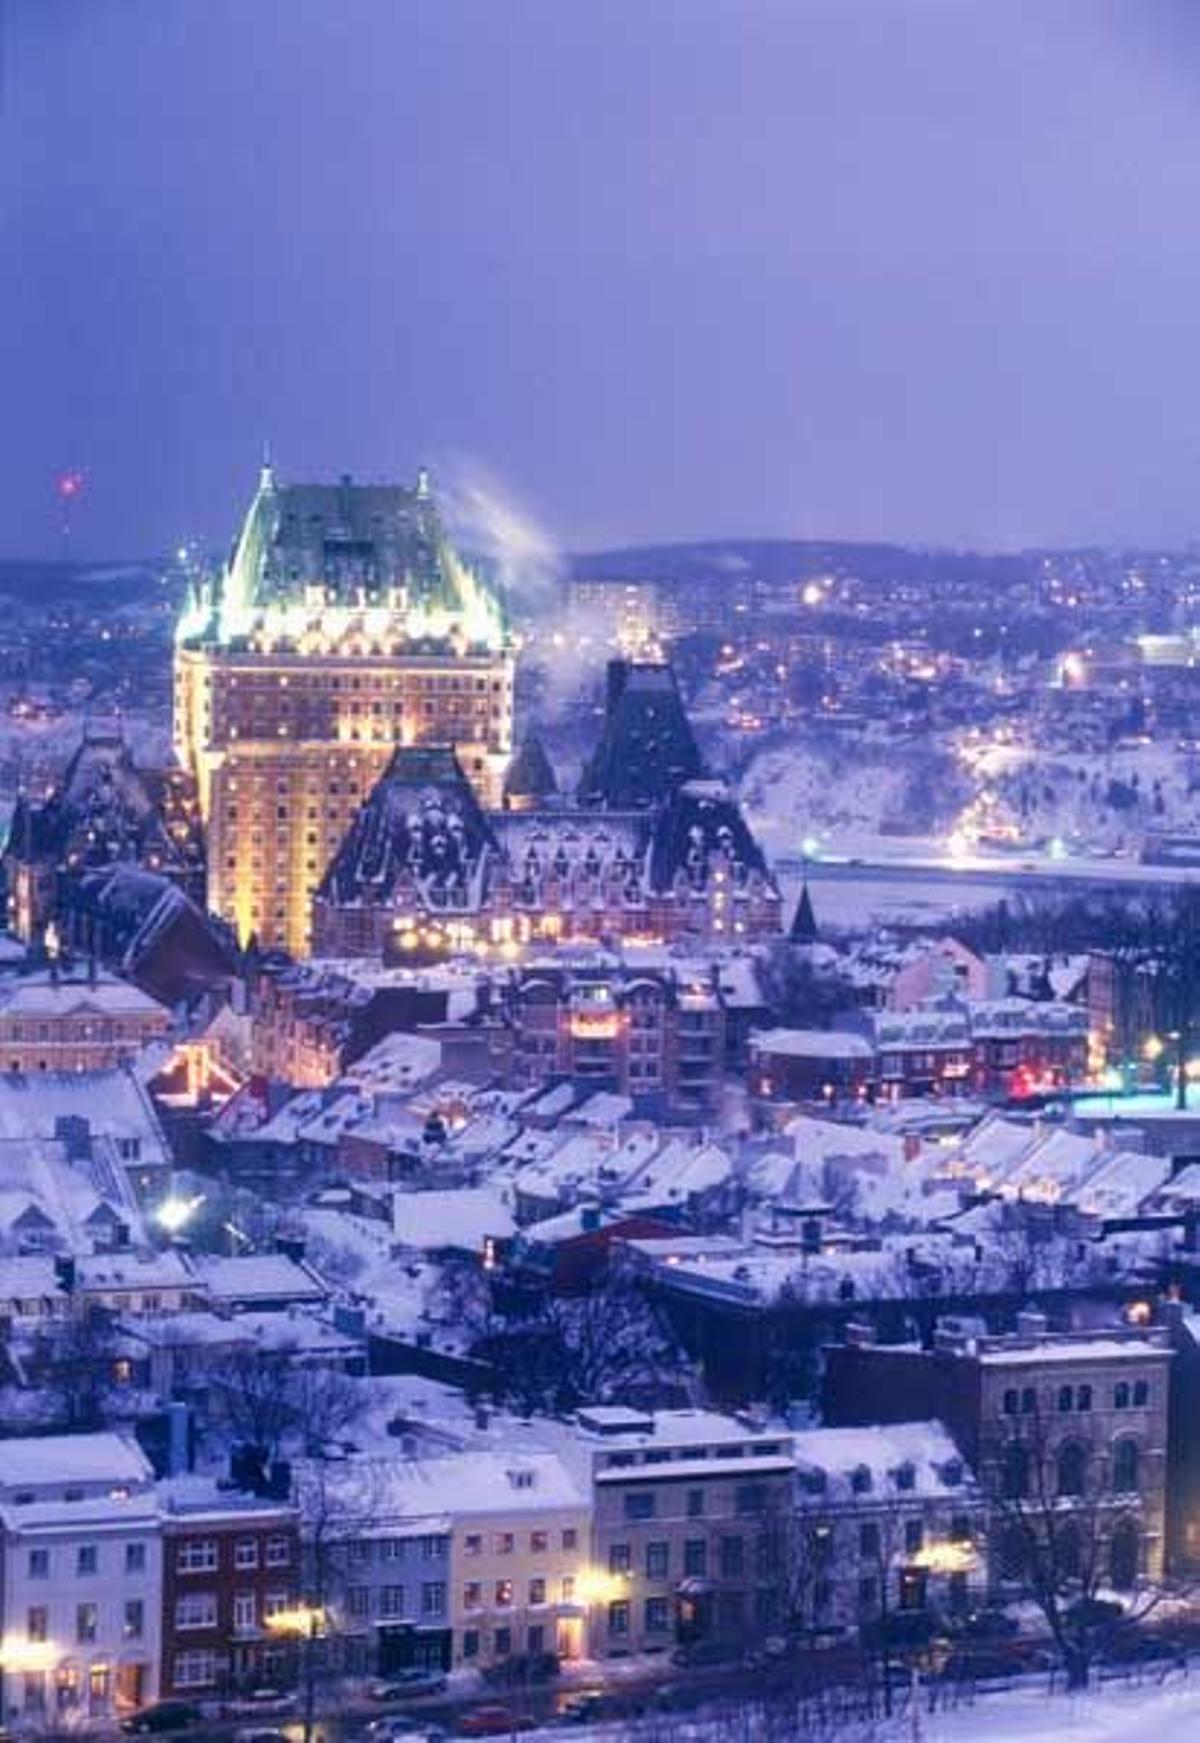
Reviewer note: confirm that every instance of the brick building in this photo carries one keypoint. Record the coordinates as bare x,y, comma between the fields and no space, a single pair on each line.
230,1562
1084,1414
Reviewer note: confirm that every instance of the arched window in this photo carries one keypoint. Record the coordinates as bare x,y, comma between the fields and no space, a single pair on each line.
1141,1394
1014,1476
1012,1401
1013,1556
1066,1397
1083,1398
1121,1396
1124,1554
1125,1467
1072,1468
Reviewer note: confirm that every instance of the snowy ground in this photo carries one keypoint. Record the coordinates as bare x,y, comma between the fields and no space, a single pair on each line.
858,796
1144,1714
1129,1714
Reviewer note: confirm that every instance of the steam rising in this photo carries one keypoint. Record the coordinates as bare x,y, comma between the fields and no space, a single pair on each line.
523,556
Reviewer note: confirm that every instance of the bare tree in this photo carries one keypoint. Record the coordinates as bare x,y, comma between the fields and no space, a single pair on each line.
609,1345
76,1364
273,1402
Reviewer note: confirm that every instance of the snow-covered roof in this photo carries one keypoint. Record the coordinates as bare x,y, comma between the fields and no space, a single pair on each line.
441,1492
259,1276
461,1218
168,1269
67,1460
113,1103
811,1044
926,1449
49,996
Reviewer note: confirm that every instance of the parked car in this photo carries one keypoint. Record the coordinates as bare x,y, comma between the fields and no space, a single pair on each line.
493,1721
404,1685
702,1652
396,1729
583,1708
262,1703
259,1734
978,1664
523,1668
987,1625
162,1716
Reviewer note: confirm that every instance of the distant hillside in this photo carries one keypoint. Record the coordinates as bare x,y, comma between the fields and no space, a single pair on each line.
783,560
56,582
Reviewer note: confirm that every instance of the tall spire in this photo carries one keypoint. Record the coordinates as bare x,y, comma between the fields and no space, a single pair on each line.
266,476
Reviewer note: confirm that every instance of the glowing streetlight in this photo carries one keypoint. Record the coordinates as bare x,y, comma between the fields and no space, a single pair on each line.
174,1213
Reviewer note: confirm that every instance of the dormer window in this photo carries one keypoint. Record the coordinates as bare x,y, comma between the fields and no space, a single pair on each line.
860,1481
952,1473
906,1477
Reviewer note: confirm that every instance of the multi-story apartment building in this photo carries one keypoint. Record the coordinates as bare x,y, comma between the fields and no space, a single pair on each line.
344,625
656,1035
468,1560
230,1562
1072,1422
82,1579
692,1525
889,1519
75,1021
519,1559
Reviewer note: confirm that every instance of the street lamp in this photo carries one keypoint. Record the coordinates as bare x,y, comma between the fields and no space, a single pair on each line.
308,1624
26,1658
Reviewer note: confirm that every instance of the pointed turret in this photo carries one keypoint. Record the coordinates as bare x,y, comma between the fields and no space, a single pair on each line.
804,921
530,780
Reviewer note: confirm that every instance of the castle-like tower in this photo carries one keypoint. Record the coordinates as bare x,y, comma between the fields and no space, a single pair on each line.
344,624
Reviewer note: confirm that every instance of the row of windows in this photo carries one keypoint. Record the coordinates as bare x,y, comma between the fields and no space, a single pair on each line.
199,1555
87,1621
504,1641
862,1480
391,1600
1071,1469
665,1455
1126,1395
428,1548
87,1561
505,1542
731,1612
202,1609
640,1504
503,1593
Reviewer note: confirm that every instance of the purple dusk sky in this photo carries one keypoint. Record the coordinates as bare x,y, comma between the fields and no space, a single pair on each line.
916,269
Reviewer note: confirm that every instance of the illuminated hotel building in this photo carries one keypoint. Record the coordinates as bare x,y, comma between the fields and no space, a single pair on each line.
345,624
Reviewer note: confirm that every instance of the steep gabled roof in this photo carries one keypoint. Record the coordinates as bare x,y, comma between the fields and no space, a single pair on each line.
804,922
422,825
531,773
646,748
699,832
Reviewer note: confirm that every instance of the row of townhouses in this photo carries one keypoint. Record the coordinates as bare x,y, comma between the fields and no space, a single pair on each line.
619,1532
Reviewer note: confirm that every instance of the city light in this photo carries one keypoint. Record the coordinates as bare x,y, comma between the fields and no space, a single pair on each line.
29,1655
302,1619
173,1214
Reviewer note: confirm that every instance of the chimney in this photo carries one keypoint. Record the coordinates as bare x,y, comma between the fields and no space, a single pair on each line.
179,1438
858,1335
617,678
1031,1323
